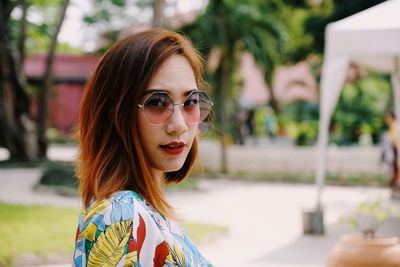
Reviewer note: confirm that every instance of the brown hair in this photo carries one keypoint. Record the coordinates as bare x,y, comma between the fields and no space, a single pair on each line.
111,156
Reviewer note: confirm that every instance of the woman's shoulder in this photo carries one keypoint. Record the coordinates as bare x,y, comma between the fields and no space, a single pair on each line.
120,206
112,227
126,228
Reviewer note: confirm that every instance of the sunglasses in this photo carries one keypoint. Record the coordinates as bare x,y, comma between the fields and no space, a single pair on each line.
159,106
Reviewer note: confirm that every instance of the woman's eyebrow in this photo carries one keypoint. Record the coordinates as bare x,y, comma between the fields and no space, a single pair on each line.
186,93
150,91
189,91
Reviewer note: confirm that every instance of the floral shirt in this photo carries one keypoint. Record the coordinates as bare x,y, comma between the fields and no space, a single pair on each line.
125,230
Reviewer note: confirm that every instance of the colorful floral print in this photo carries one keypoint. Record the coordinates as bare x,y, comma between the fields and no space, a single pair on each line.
125,230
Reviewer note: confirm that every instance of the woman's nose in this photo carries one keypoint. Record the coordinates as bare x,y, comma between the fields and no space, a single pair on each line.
177,124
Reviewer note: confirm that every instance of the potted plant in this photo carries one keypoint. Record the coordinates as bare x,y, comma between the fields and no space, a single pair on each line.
367,249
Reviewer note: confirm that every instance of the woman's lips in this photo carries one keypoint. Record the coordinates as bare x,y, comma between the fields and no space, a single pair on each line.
173,148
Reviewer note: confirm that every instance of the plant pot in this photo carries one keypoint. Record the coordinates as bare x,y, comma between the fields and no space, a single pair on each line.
356,251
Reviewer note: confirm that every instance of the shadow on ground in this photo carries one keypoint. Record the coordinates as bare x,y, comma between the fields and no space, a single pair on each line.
314,250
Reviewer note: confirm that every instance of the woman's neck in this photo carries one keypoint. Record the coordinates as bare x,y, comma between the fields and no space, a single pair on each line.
159,176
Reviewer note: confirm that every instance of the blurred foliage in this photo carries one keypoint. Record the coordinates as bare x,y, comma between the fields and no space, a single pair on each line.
57,137
329,11
361,110
362,105
66,48
189,183
59,173
42,17
109,13
247,25
305,22
301,120
108,17
298,42
234,27
287,176
36,230
370,215
201,232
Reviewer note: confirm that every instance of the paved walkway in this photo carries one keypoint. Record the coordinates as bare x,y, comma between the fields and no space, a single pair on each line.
264,220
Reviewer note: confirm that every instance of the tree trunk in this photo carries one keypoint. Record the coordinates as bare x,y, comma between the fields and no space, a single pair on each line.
22,35
273,102
5,111
18,130
269,78
225,85
47,84
158,13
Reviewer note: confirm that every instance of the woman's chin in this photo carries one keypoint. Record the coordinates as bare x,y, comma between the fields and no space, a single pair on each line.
171,167
174,169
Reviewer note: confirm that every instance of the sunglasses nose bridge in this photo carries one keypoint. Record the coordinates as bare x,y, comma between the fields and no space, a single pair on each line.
173,112
180,106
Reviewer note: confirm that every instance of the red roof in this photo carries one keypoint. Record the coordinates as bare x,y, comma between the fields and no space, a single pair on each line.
75,67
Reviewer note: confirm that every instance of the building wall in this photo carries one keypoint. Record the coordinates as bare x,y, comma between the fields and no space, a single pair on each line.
64,107
70,74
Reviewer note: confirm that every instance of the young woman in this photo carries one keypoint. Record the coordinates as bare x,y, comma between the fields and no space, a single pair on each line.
137,130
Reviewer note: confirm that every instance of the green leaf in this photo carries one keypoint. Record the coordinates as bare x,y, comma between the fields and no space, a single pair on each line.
119,3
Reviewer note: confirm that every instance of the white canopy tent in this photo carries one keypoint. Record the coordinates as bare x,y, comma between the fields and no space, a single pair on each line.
370,38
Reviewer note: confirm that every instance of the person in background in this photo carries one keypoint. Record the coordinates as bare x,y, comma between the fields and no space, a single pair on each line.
390,148
138,132
270,123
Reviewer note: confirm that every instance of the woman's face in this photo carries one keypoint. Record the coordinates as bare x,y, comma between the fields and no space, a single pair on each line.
167,145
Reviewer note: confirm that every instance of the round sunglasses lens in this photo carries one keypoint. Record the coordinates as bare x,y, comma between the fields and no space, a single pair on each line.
191,108
196,107
158,108
205,106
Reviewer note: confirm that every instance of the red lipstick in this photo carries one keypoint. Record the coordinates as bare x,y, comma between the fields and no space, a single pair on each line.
173,148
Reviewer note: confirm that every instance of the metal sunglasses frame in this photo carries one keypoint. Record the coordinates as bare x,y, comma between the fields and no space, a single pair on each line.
142,107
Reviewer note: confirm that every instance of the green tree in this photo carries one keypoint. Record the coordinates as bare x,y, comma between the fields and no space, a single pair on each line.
21,135
227,28
330,11
47,83
361,109
15,121
356,112
301,118
109,16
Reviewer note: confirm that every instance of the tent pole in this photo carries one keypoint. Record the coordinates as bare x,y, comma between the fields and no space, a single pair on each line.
313,220
330,86
321,160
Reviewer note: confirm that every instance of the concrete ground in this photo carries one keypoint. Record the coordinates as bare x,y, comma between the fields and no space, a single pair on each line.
264,221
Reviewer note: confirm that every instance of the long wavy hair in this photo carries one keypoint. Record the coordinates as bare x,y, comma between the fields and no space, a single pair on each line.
111,156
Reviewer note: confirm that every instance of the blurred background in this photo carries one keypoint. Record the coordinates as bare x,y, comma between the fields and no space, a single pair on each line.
255,178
